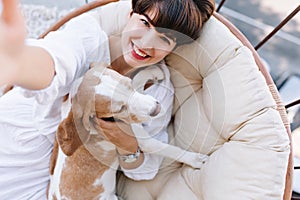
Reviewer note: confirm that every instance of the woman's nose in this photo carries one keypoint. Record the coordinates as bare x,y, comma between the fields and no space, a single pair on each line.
148,40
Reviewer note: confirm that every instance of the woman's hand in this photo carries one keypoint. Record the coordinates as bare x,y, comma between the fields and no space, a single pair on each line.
121,135
118,133
12,36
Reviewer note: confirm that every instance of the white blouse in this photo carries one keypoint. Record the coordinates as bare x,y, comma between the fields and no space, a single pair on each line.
29,119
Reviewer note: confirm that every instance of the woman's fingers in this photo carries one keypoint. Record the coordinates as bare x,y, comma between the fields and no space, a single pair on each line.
12,36
114,127
11,13
118,133
12,24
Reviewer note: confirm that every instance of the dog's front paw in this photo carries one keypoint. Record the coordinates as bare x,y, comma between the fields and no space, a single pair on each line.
196,160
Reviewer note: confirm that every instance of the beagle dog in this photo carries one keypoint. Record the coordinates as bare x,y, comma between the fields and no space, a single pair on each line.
83,164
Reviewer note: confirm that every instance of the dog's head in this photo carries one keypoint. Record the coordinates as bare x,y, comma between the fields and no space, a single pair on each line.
106,94
115,97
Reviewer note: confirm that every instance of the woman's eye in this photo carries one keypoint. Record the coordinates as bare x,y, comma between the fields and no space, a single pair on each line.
165,40
145,22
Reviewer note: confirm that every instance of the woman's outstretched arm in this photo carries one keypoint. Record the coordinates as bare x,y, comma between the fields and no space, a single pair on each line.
25,66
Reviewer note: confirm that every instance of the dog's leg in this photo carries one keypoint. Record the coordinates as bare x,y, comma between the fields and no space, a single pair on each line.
53,157
55,178
108,181
150,145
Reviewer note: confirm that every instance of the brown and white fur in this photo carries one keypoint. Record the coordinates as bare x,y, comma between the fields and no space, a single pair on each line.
83,164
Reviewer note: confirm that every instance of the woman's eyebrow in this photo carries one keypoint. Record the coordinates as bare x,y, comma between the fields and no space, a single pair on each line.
149,19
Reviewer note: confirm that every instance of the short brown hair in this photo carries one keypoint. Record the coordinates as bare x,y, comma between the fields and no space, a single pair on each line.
181,20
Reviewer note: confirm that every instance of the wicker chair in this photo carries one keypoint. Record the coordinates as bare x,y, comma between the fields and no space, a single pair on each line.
260,64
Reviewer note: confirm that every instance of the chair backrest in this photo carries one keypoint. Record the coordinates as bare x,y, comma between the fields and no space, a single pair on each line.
280,106
275,94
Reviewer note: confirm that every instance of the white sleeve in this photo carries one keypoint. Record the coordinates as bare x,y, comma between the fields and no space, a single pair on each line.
157,128
73,48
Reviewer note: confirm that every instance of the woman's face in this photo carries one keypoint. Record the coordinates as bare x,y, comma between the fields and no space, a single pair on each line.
142,45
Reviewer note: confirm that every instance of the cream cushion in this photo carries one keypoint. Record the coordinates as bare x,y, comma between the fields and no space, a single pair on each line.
222,108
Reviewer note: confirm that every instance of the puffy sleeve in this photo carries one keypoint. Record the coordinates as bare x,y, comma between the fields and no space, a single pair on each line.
157,128
72,48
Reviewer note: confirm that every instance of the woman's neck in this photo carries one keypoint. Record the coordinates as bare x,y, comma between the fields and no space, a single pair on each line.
116,56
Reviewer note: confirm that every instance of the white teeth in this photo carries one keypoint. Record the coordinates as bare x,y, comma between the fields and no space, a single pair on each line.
138,52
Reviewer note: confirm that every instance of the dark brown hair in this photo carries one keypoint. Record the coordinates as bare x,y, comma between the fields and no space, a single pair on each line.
181,20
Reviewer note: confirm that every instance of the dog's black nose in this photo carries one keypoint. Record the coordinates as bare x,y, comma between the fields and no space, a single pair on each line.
156,110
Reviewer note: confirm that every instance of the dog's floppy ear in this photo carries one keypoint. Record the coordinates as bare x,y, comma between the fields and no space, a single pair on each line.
68,136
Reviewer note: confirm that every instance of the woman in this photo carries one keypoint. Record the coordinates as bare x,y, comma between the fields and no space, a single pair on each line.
44,70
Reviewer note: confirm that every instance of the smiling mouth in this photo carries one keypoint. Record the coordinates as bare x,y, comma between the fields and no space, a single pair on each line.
137,53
